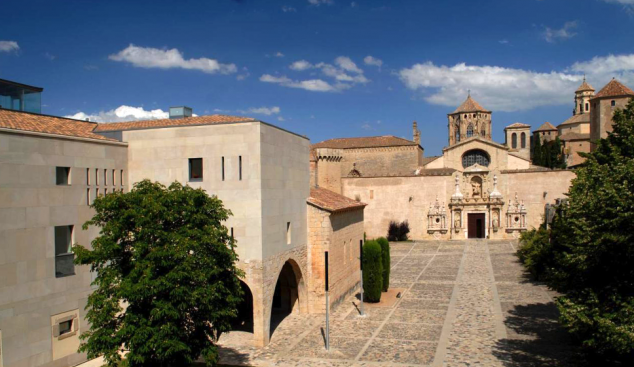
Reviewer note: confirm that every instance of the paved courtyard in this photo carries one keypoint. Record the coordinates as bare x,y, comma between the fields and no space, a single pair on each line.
463,304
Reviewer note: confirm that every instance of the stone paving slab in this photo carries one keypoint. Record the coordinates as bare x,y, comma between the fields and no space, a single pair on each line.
465,303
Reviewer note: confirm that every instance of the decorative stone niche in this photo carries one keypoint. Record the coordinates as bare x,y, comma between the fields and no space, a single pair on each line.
437,218
516,217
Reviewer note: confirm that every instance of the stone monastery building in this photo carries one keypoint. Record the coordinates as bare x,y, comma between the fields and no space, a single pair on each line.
291,201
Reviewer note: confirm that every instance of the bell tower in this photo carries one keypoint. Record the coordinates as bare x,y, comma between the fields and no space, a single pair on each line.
469,120
583,94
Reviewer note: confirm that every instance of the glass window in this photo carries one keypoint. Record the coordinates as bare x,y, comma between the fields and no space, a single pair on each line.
62,176
457,135
523,140
223,168
613,103
240,168
63,251
469,131
65,327
475,156
195,169
514,141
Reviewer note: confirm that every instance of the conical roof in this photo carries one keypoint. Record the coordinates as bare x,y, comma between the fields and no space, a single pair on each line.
546,126
585,86
614,89
470,105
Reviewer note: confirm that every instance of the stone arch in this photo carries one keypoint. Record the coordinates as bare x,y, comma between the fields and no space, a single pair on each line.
469,131
289,295
244,321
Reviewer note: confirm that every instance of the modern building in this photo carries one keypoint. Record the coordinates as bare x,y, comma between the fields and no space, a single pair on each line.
52,168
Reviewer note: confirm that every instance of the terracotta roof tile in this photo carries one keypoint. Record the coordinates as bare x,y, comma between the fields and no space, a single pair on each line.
574,136
584,86
614,89
470,105
517,125
366,142
546,126
577,119
25,121
189,121
331,201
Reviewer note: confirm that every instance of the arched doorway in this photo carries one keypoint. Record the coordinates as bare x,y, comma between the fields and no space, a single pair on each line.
244,321
286,298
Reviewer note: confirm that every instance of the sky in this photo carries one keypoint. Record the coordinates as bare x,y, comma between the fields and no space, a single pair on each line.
320,68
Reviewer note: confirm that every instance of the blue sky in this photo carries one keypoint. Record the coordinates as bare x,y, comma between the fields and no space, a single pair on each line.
323,68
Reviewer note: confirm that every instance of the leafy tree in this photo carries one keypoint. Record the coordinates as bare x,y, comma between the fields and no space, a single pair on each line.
592,245
537,151
167,285
372,271
385,256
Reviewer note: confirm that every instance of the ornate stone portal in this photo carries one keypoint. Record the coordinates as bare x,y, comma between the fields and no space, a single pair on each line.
437,219
516,217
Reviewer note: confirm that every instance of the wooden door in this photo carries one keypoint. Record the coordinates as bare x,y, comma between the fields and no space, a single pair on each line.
476,225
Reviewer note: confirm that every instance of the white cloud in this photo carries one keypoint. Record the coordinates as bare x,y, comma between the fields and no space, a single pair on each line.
319,2
371,60
301,65
503,41
281,119
268,111
288,9
314,85
562,34
122,113
506,89
147,57
8,46
279,54
347,64
624,2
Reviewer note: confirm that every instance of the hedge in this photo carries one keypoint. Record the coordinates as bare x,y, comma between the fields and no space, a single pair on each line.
372,271
385,255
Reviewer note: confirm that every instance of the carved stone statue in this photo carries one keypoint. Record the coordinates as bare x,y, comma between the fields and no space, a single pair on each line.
456,223
475,188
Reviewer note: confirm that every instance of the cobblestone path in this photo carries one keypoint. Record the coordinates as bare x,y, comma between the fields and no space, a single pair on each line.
464,304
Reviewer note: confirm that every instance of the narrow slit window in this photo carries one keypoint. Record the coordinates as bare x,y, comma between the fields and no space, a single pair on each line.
288,233
88,197
121,177
97,176
114,182
223,168
240,168
195,169
232,232
87,176
105,177
65,327
62,176
64,257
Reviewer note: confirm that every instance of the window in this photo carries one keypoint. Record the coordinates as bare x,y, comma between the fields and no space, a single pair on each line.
65,327
88,196
288,233
65,333
87,176
457,133
105,177
223,167
514,141
96,192
105,191
121,177
523,137
232,232
613,103
240,168
64,251
469,131
483,133
345,252
97,176
587,106
195,169
475,156
62,176
114,182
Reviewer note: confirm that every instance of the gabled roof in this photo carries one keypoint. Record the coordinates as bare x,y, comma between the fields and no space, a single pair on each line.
583,118
427,160
517,125
474,139
470,105
574,136
546,126
33,122
364,142
331,201
188,121
614,89
584,86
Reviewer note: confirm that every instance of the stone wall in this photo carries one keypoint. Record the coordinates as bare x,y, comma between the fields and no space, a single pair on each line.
31,205
385,161
601,116
339,234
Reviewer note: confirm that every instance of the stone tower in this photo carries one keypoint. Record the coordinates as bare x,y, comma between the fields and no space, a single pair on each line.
614,95
470,119
518,139
583,94
416,133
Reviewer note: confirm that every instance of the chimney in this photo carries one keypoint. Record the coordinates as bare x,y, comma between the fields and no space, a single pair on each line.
180,112
416,133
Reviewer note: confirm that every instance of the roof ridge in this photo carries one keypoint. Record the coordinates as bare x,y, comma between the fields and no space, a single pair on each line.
614,88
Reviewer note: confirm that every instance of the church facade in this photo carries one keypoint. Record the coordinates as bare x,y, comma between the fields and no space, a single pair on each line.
477,188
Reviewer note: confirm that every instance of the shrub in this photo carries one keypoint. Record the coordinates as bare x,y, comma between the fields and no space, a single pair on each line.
535,252
372,271
398,231
385,255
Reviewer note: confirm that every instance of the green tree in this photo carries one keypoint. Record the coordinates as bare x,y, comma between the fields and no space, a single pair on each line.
537,151
385,256
372,271
593,245
166,284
